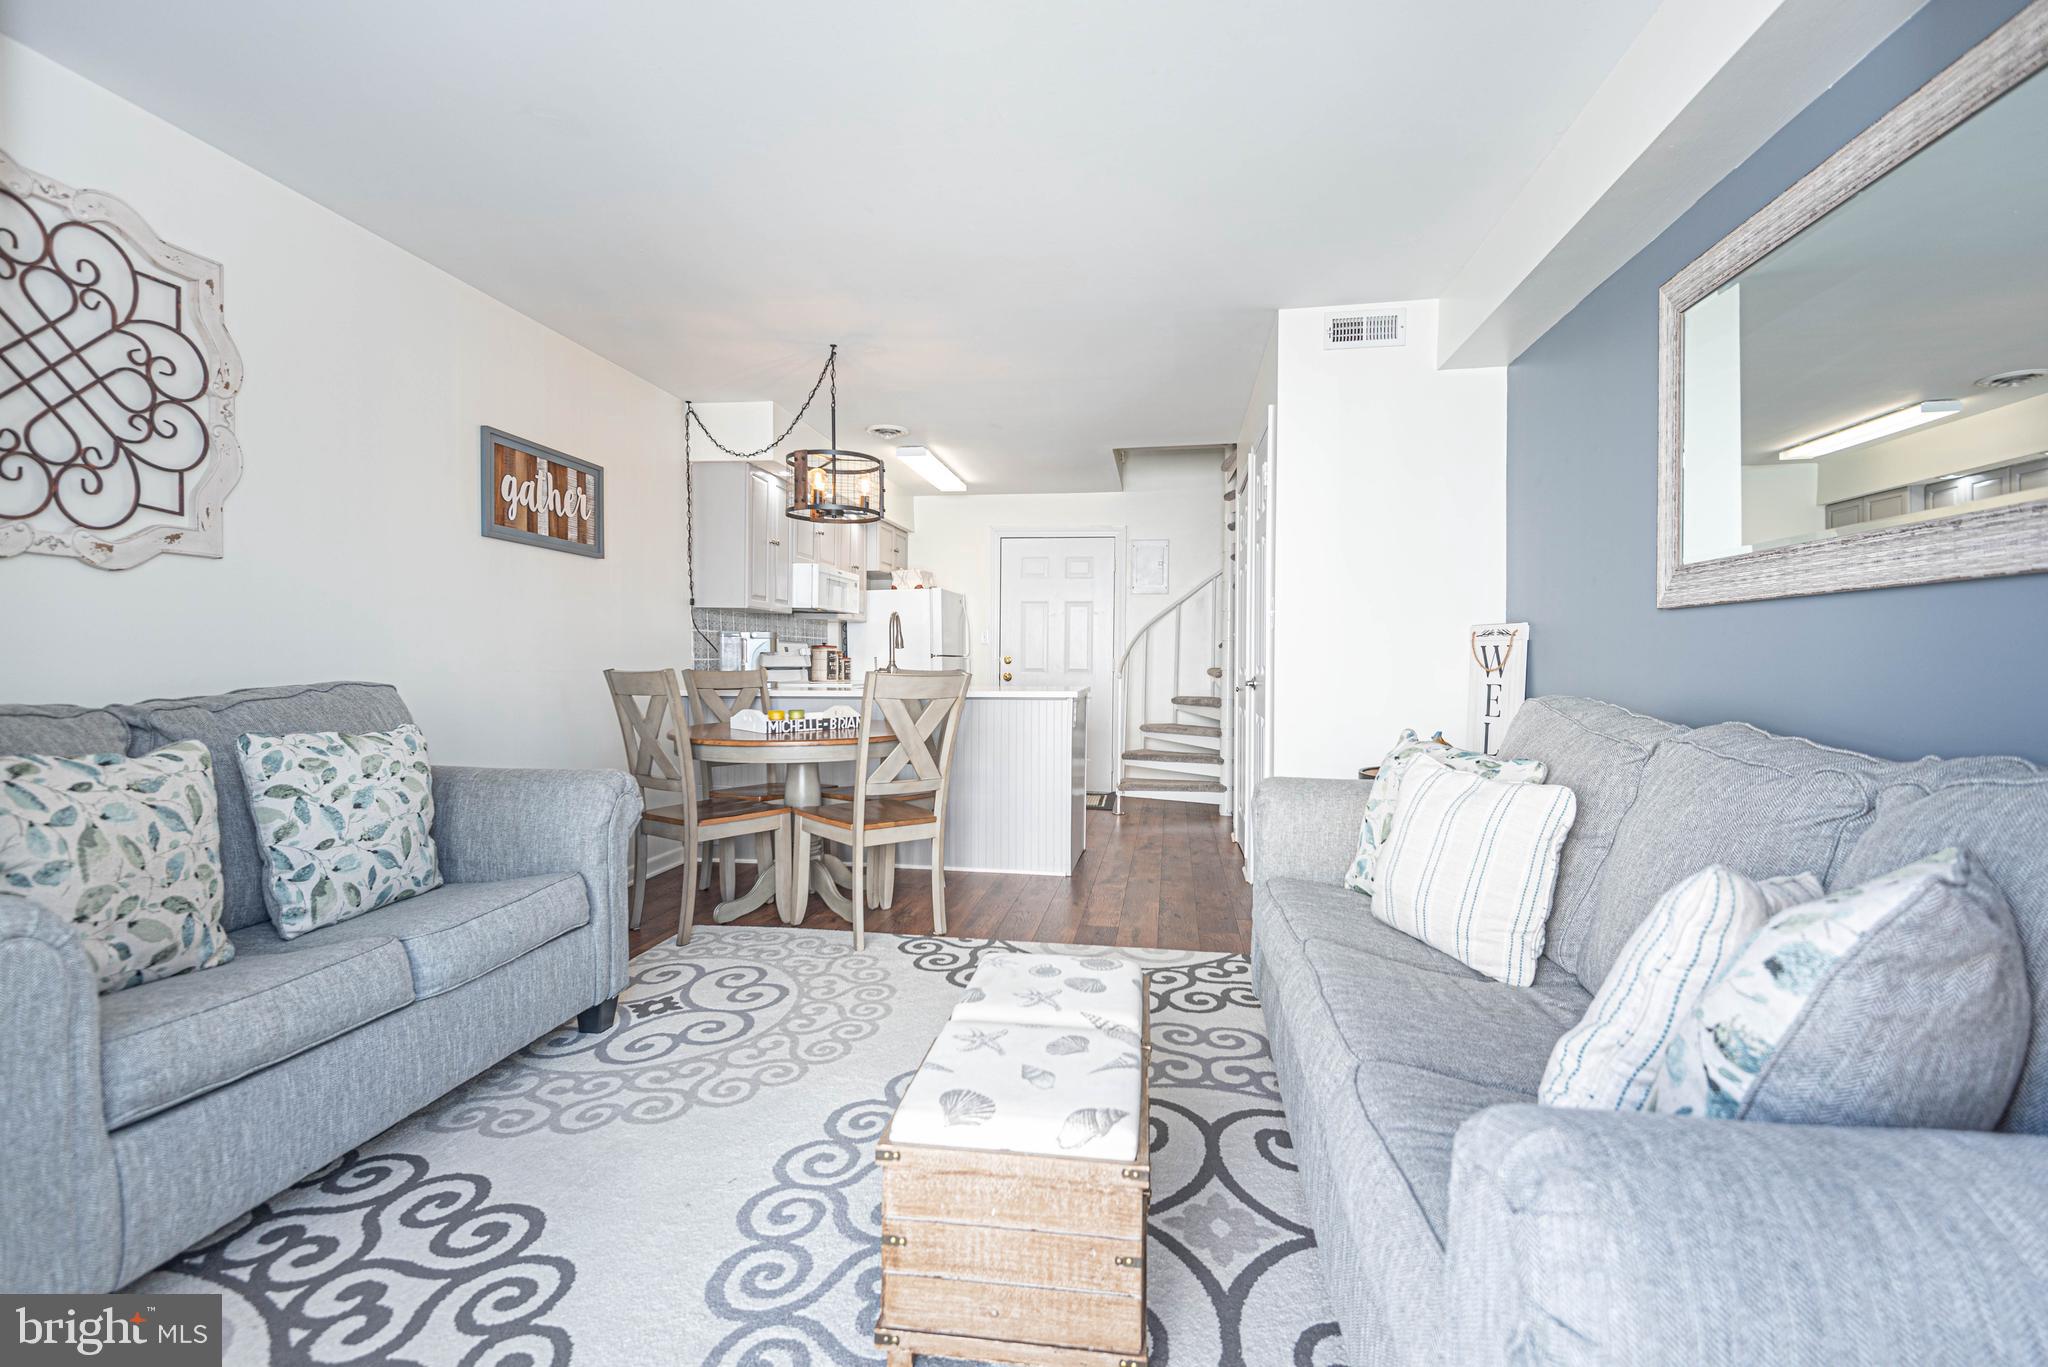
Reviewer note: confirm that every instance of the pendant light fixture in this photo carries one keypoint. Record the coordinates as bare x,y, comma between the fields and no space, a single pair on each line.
826,484
831,485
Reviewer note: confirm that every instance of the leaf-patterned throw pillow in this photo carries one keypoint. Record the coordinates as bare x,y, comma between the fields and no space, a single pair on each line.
345,822
1381,802
128,849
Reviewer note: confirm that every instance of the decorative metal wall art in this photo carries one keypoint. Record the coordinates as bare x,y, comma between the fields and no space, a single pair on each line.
540,496
117,382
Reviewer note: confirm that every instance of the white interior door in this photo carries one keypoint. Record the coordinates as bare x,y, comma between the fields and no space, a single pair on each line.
1059,628
1255,629
1240,644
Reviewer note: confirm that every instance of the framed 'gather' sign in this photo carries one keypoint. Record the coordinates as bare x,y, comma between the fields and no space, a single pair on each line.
540,496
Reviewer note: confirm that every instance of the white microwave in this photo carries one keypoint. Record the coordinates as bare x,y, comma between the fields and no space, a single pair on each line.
821,588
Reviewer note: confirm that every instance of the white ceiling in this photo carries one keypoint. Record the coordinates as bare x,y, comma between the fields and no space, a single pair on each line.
1039,231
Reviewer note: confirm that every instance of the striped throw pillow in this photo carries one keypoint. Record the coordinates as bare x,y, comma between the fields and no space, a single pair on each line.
1608,1061
1470,866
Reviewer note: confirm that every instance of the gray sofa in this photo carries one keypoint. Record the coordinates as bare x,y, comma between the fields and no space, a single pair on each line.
137,1122
1459,1223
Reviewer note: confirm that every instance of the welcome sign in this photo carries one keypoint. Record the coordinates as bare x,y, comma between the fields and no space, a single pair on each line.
1499,679
541,496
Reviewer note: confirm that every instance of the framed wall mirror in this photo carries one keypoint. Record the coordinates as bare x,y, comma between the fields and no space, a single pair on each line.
1854,383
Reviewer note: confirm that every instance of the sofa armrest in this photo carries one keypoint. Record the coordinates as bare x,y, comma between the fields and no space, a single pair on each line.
1584,1236
1306,827
60,1198
519,823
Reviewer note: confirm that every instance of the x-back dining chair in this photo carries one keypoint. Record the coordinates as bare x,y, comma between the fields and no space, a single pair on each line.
714,695
899,798
655,728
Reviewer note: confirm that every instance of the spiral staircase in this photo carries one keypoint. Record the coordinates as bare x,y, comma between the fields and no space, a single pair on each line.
1170,716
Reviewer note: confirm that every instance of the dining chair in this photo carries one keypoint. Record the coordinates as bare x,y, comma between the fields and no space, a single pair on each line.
898,799
714,695
655,728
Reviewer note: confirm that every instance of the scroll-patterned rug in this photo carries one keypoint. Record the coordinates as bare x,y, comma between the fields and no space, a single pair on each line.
696,1186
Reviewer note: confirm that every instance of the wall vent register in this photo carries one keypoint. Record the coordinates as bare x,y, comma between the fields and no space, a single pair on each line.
1362,328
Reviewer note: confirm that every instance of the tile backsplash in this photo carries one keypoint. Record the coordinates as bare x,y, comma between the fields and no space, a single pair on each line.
793,630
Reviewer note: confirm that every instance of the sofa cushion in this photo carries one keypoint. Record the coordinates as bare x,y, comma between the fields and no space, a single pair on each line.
1295,911
1760,804
60,729
461,931
1598,751
1431,1052
2002,823
169,1041
1372,1101
217,720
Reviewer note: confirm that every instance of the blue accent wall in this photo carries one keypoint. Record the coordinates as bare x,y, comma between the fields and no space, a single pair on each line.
1952,669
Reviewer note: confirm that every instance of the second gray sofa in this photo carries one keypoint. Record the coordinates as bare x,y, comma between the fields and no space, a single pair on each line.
138,1122
1459,1223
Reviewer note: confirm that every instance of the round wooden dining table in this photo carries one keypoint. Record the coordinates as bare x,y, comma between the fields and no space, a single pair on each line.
800,754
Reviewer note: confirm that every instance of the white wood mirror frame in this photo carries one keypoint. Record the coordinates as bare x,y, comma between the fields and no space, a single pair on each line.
2010,539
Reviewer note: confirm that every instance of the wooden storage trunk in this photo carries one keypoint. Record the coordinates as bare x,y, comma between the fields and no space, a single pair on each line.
1027,1258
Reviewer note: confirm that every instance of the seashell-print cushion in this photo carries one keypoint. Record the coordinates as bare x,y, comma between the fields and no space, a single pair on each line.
1384,801
1902,1002
1075,992
1026,1089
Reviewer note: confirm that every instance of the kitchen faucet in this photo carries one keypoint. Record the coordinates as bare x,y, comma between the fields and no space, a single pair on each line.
895,638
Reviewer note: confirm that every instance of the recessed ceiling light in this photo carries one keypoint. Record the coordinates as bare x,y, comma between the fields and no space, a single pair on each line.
1883,425
2013,379
930,468
887,431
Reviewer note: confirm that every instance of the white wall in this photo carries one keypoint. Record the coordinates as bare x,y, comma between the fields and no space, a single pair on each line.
1389,535
1779,503
352,548
1175,497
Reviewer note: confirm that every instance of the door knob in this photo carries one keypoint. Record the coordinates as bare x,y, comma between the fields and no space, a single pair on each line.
1006,659
1006,676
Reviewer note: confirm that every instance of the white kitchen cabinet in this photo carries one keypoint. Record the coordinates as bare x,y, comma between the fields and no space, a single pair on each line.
740,550
851,551
774,498
887,547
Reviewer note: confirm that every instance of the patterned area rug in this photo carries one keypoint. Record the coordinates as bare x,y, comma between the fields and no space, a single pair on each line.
696,1186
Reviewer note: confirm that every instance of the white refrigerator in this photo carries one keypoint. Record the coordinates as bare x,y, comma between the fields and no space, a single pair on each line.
934,630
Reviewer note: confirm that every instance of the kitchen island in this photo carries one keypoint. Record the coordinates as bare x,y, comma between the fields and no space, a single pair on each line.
1018,799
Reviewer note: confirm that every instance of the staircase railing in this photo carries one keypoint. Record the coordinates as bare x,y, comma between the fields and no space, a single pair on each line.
1169,616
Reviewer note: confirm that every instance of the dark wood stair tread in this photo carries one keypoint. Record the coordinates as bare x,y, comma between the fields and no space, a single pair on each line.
1173,757
1170,785
1196,700
1181,728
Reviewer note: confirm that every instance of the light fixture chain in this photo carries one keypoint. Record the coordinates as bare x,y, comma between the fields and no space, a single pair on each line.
690,415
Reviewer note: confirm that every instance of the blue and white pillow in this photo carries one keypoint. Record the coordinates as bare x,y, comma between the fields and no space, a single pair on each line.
1608,1061
345,822
1901,1002
1383,801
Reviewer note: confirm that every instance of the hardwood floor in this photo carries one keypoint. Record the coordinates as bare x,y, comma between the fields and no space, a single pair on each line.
1164,875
